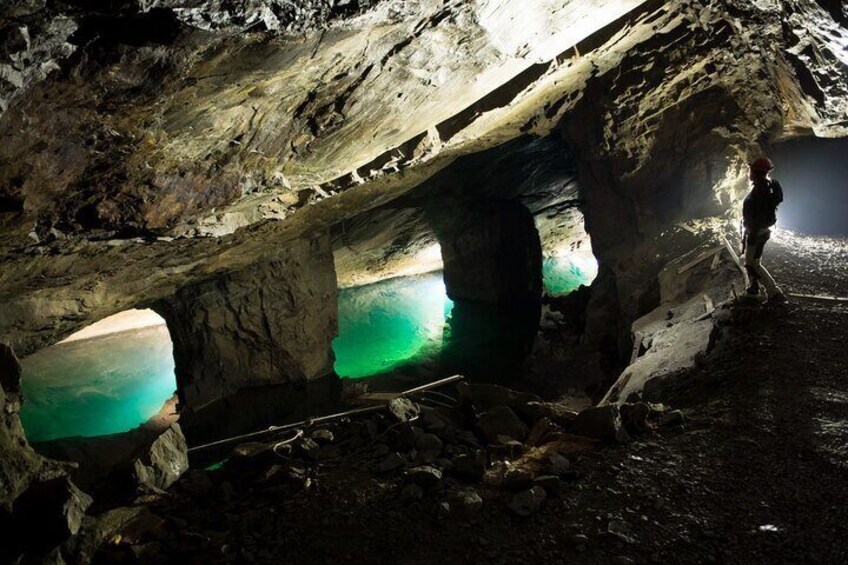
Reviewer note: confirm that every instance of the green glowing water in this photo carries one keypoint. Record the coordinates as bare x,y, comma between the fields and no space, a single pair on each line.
565,274
99,386
387,324
114,383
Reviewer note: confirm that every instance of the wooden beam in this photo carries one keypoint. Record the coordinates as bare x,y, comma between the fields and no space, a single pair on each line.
702,257
736,260
819,297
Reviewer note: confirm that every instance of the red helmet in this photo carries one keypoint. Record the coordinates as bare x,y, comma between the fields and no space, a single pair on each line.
762,164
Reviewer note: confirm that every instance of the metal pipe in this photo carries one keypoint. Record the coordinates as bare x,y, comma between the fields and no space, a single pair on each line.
320,419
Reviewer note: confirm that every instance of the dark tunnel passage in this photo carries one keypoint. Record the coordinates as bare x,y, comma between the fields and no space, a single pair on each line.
814,174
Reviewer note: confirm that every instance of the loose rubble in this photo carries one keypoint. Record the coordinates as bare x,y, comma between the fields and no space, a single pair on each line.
495,448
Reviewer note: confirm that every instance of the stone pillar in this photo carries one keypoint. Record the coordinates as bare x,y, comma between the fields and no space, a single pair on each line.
491,251
270,324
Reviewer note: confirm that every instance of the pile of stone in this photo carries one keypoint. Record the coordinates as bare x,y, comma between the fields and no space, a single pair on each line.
493,438
495,446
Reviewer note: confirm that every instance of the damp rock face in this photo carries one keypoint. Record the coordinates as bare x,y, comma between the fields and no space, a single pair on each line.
19,464
164,462
270,324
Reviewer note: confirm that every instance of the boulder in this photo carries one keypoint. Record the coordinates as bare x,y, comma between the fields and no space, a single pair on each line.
48,513
484,397
501,421
603,423
527,502
164,461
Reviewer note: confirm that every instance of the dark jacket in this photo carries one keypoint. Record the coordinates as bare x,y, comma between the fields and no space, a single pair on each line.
760,208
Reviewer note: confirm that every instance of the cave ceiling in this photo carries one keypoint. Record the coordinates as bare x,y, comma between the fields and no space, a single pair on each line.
165,142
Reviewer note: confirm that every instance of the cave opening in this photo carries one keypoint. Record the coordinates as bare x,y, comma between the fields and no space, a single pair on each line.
812,172
401,317
106,379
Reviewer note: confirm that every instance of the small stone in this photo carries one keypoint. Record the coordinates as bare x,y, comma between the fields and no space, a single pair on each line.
621,531
429,442
551,483
322,437
308,447
390,462
507,449
494,475
443,509
517,479
196,483
674,417
470,466
424,476
527,502
557,465
411,493
469,501
579,539
403,409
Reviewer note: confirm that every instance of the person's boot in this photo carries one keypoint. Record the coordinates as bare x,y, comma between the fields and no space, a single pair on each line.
754,286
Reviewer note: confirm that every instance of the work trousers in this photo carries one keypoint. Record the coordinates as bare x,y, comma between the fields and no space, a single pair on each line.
756,242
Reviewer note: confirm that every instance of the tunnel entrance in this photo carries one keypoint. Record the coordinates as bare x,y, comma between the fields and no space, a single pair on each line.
813,173
391,323
106,379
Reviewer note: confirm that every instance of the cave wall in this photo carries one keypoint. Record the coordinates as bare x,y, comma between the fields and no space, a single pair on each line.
491,252
664,138
270,324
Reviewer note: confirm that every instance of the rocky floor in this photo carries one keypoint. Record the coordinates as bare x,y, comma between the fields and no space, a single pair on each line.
755,473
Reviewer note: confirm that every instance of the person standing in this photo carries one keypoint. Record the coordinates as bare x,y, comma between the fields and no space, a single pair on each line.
759,214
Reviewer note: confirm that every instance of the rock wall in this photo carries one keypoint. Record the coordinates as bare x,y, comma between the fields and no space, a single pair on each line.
491,252
663,138
269,324
39,505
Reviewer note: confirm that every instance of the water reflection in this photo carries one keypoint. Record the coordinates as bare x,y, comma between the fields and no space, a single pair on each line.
490,341
98,386
390,323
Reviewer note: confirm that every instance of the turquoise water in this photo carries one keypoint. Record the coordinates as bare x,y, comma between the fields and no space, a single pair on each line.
563,275
98,386
387,324
401,320
113,383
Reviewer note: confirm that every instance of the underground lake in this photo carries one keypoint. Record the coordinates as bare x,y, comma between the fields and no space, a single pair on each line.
113,382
